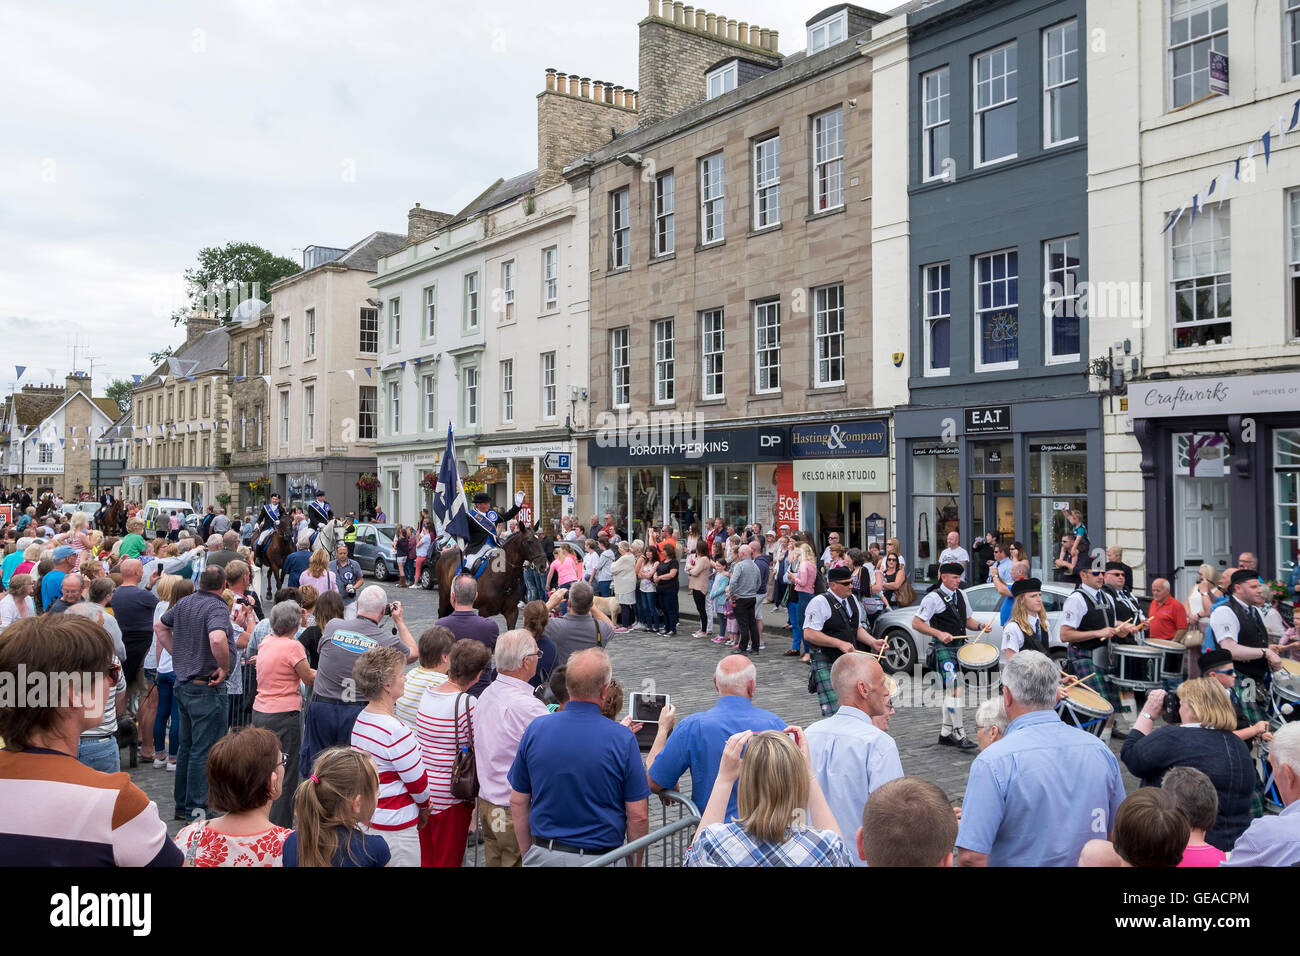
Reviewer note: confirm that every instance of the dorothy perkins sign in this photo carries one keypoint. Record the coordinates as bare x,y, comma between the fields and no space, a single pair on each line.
1227,395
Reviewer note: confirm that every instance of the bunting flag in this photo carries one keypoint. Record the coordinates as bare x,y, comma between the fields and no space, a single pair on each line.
1267,138
137,379
19,369
351,374
367,370
403,365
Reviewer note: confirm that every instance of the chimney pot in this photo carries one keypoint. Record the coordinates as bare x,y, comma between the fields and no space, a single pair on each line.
632,105
550,85
722,26
561,84
688,16
765,38
586,87
654,8
710,23
776,39
742,31
677,12
731,29
618,96
700,19
574,84
667,11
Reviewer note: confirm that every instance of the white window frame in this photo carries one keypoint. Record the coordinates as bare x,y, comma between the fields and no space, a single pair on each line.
1293,260
508,291
243,429
828,162
1067,281
1010,77
549,390
261,354
507,374
1291,34
309,413
394,402
829,335
980,364
620,367
394,323
1217,218
767,182
1217,40
550,278
309,325
367,330
284,417
722,79
620,228
713,197
286,338
665,203
823,33
936,116
712,363
429,401
257,417
243,359
470,397
46,454
1053,86
665,367
470,302
767,346
365,409
429,308
934,284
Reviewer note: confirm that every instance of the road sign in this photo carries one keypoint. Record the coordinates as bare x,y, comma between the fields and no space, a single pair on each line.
558,460
561,491
557,477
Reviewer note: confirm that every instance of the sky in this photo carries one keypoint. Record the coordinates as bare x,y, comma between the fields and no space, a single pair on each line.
133,135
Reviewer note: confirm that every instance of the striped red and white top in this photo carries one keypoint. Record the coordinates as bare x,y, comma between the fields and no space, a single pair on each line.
403,784
439,734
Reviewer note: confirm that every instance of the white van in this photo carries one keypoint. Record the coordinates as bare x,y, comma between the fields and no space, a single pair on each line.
157,512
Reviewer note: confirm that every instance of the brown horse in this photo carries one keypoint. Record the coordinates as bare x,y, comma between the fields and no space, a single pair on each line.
111,521
272,557
499,587
45,505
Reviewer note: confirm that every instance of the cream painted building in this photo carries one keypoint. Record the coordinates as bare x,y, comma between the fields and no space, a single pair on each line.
1203,436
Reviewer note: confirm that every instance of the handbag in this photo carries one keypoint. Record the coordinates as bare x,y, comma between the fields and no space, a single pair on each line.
905,594
464,772
923,536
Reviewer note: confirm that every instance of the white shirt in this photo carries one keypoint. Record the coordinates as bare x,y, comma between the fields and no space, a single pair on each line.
852,758
9,609
958,554
819,611
934,603
1013,638
1224,622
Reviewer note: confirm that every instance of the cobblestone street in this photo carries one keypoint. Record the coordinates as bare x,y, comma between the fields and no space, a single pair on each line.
682,667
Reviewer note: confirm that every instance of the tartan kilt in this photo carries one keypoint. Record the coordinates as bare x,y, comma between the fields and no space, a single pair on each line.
821,676
1080,664
946,662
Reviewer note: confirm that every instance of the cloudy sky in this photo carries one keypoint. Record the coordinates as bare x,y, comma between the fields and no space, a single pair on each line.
132,135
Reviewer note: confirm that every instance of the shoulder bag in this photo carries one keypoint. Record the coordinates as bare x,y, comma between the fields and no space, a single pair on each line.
464,772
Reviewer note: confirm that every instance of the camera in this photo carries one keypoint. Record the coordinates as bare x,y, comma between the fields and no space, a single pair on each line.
1170,712
388,610
244,599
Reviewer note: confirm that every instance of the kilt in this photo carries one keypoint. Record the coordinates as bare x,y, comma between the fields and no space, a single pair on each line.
1081,665
821,676
946,662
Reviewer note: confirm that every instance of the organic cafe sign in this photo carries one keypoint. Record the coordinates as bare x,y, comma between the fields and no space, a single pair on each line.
866,439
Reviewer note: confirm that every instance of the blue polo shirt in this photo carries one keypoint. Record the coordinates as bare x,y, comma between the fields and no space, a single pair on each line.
1039,794
697,742
580,769
52,587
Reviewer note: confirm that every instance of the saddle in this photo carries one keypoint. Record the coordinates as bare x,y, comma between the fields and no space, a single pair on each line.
477,564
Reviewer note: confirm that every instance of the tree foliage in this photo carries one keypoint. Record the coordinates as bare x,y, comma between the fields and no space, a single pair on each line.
225,275
119,390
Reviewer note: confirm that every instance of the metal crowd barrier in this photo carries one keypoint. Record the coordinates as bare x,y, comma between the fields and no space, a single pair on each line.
241,705
673,821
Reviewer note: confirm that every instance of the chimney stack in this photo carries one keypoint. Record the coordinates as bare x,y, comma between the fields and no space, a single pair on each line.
199,324
76,382
574,117
422,223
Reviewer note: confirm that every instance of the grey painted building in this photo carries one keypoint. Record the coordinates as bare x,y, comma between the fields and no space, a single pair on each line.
1001,433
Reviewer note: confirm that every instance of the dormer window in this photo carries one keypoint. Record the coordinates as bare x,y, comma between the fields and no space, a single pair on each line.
722,79
827,32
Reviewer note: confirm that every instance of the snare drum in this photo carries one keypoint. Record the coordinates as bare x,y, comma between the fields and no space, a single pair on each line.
1175,660
1085,709
1284,693
1291,667
977,657
1136,666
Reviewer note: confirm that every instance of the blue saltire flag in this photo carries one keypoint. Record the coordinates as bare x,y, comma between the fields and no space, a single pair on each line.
450,510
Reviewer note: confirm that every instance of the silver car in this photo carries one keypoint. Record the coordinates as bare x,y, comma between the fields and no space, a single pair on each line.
905,644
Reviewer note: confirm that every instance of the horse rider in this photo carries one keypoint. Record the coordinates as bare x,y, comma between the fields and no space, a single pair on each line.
483,520
267,520
105,502
319,512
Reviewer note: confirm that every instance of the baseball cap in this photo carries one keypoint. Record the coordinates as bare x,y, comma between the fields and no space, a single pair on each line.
62,553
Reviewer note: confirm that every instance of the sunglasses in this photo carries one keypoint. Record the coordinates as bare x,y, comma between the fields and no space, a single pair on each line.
1226,671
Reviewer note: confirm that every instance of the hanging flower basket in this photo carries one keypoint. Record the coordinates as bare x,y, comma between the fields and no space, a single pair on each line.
259,485
367,482
472,486
429,482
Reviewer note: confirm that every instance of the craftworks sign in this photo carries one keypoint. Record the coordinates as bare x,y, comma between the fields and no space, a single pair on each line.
1229,395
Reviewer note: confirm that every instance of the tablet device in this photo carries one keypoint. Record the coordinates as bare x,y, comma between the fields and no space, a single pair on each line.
645,708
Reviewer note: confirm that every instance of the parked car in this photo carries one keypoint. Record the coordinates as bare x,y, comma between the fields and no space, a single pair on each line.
905,644
374,550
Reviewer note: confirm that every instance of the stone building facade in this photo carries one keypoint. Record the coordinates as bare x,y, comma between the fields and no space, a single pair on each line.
248,366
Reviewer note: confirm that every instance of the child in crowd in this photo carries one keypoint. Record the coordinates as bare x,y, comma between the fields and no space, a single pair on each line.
332,803
717,594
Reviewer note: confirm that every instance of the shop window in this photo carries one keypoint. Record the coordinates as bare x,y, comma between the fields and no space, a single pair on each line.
936,506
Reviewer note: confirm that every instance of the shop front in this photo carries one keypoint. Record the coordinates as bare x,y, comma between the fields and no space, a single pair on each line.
298,479
1011,469
542,470
1220,472
841,474
735,474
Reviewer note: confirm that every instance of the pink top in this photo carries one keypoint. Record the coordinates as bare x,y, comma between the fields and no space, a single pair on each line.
566,571
805,579
501,716
1204,855
326,582
277,677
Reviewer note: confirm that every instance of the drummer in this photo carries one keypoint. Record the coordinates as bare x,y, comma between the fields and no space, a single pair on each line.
1239,630
1128,618
833,621
1027,629
945,616
1087,624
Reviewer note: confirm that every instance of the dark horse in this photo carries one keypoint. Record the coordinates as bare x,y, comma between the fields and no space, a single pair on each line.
499,587
278,547
45,505
110,522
